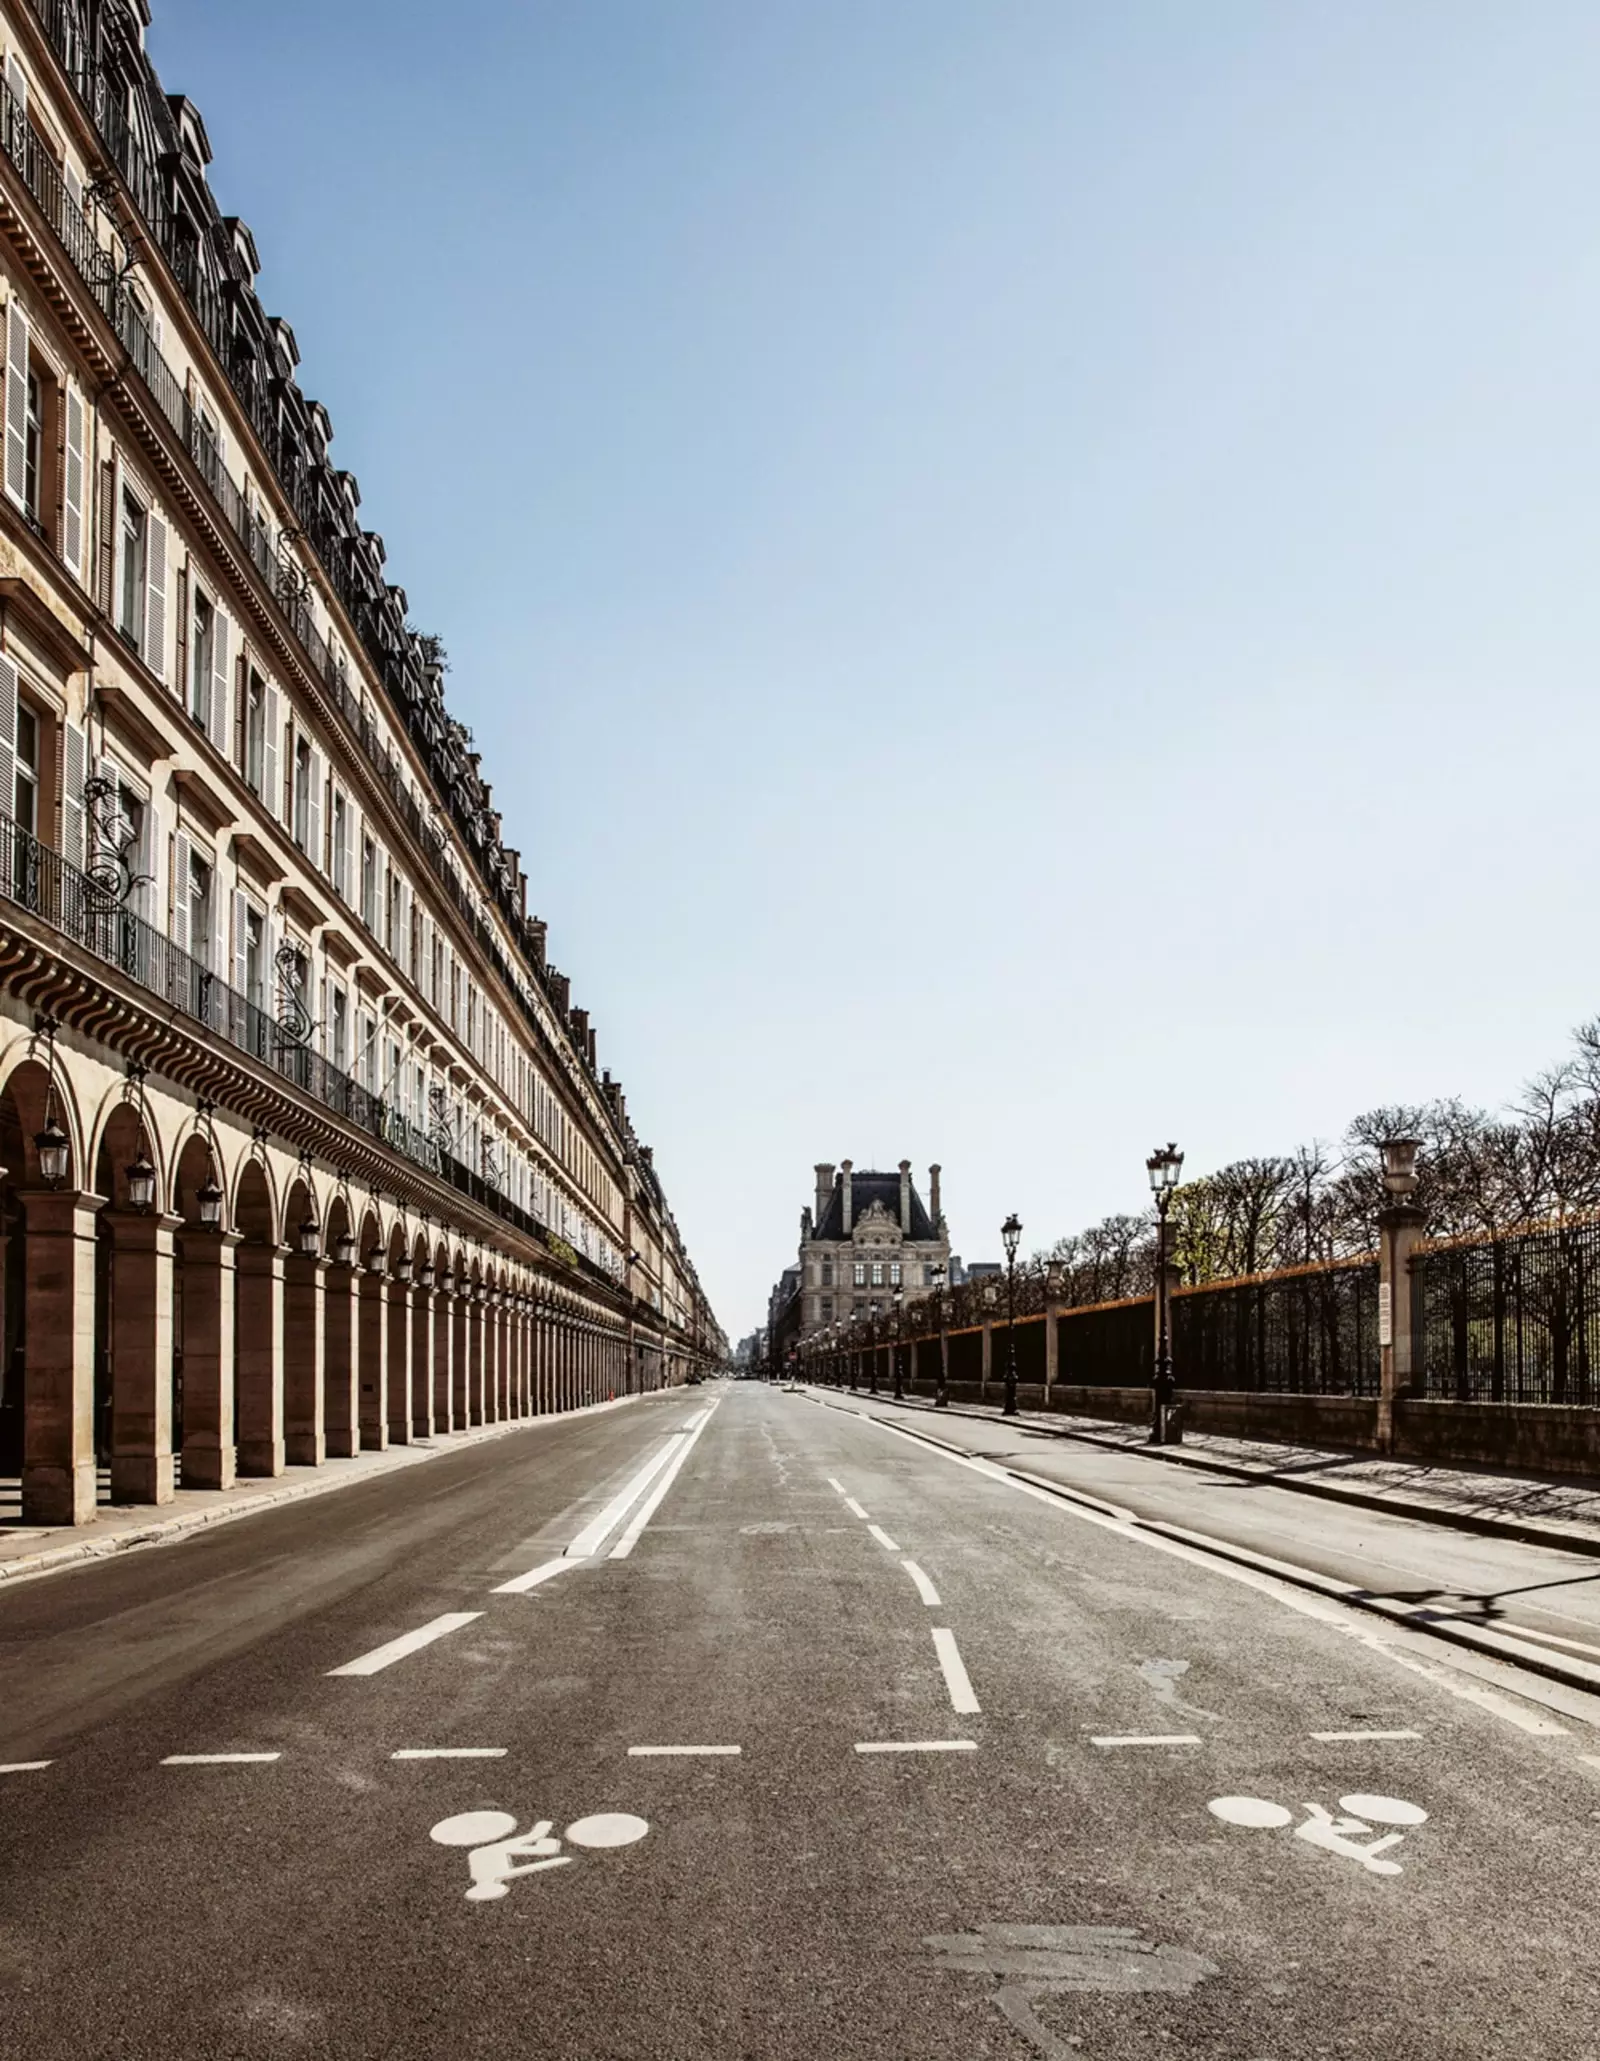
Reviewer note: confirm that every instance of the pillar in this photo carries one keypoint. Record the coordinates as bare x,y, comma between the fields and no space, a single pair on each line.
444,1389
209,1432
474,1359
460,1370
988,1359
305,1427
422,1357
1052,1347
258,1356
142,1466
372,1356
1400,1227
397,1362
58,1470
341,1361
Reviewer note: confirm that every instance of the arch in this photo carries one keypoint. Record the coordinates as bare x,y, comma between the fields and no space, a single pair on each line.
194,1162
299,1203
25,1095
341,1399
255,1212
369,1239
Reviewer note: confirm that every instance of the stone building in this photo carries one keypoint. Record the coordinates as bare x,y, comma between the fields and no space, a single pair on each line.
305,1146
868,1235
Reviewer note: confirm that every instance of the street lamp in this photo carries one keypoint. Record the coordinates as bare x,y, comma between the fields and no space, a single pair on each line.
310,1235
208,1201
898,1299
141,1178
941,1389
1011,1232
1163,1166
872,1357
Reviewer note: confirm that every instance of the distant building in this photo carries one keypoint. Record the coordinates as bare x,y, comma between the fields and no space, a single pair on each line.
868,1235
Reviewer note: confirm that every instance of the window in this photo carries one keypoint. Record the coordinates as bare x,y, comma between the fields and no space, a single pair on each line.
302,795
33,446
202,657
877,1276
339,1029
861,1273
197,890
255,731
393,923
207,454
827,1307
894,1273
369,885
255,958
131,620
25,803
340,817
827,1273
367,1057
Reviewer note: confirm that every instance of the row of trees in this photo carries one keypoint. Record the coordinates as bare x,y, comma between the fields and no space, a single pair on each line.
1481,1172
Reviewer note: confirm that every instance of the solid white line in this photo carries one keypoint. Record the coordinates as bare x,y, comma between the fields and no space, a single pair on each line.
1527,1631
854,1508
917,1746
956,1678
214,1760
925,1588
450,1753
692,1423
1329,1738
1149,1739
652,1503
408,1642
839,1485
520,1584
654,1752
594,1534
22,1767
883,1538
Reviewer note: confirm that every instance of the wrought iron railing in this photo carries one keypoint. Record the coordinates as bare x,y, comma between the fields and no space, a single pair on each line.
1514,1319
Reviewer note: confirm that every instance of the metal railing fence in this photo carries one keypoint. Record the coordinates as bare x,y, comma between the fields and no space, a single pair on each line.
1511,1319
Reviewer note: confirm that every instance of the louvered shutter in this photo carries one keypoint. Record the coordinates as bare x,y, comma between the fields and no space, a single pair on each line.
314,813
74,184
155,604
183,640
8,736
402,944
106,570
241,916
182,880
16,402
271,789
72,487
221,642
75,759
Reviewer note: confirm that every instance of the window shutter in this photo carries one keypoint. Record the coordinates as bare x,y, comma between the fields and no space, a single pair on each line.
16,401
272,791
106,570
241,910
155,605
347,857
221,640
72,486
182,879
17,81
314,813
75,755
71,179
402,944
8,736
183,638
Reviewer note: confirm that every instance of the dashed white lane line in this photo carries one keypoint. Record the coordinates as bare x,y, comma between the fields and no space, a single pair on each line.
1149,1739
855,1508
23,1767
1331,1738
925,1588
408,1642
956,1678
883,1538
839,1485
916,1746
449,1753
661,1752
652,1503
520,1584
214,1760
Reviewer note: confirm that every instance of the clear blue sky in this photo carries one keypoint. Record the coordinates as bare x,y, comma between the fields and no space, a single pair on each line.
1025,571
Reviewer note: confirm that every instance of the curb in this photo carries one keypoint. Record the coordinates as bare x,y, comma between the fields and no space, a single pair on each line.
53,1559
1524,1531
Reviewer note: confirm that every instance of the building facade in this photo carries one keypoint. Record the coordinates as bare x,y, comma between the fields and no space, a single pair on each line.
306,1146
867,1235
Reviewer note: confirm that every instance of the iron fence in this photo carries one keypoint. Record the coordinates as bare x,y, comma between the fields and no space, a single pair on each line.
1513,1319
1307,1331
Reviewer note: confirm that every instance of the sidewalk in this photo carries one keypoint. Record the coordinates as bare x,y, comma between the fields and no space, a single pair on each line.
34,1550
1536,1509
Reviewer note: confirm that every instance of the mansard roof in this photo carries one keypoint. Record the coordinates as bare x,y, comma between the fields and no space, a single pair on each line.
865,1190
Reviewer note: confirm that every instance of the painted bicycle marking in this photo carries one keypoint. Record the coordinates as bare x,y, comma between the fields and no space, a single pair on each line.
1352,1835
500,1854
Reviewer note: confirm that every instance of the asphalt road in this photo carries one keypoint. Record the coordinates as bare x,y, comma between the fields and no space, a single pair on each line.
1033,1866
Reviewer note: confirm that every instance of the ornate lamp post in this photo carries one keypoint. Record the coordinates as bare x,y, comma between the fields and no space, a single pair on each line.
941,1390
1011,1232
853,1347
1163,1166
898,1299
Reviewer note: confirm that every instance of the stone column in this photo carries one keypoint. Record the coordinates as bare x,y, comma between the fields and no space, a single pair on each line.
207,1260
305,1423
258,1355
58,1470
142,1465
1400,1229
474,1360
495,1357
988,1359
541,1361
372,1357
460,1369
397,1362
444,1388
1052,1348
341,1361
422,1358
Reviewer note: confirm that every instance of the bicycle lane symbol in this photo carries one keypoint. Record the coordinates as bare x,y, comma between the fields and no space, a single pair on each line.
1351,1836
499,1854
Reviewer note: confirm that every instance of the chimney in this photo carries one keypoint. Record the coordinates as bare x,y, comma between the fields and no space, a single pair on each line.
824,1173
905,1196
844,1168
933,1195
